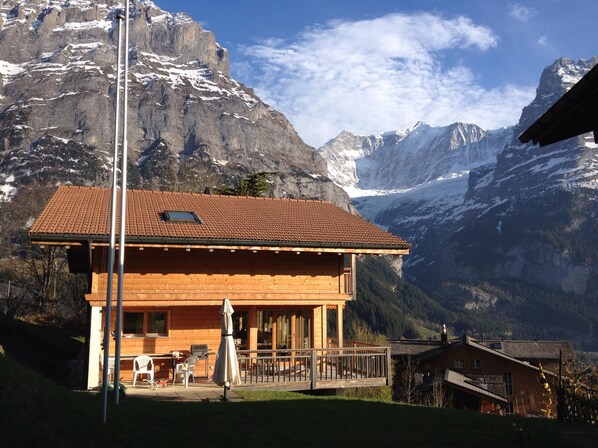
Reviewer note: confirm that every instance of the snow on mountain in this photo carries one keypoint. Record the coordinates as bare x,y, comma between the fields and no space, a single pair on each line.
451,189
408,158
58,84
342,153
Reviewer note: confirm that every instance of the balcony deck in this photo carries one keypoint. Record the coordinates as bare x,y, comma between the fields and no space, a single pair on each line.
312,369
289,370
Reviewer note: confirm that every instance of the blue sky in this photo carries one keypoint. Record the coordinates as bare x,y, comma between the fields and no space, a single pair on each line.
380,65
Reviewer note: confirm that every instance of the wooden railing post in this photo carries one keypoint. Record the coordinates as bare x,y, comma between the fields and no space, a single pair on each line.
314,367
388,367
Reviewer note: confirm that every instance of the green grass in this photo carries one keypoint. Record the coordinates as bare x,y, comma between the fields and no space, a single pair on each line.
36,412
44,348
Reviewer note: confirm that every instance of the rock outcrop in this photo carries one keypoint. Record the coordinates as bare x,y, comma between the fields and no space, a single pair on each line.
57,96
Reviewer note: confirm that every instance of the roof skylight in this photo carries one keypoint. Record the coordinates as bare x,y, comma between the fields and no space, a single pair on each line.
181,216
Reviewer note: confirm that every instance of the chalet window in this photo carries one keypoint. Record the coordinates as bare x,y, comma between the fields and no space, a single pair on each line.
476,364
459,363
508,377
133,323
145,323
509,409
348,277
277,327
180,216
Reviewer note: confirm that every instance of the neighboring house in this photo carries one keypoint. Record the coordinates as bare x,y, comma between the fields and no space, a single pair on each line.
486,376
548,354
284,264
575,113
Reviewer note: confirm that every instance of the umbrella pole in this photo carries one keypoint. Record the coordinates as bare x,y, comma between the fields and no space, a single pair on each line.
224,397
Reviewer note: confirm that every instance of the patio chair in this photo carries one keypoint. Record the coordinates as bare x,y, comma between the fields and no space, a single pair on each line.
185,370
143,365
110,365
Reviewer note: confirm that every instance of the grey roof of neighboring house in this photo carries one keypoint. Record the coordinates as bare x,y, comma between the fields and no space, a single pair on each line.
429,349
518,349
410,347
531,349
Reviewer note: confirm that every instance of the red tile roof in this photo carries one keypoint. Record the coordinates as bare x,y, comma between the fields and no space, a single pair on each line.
82,213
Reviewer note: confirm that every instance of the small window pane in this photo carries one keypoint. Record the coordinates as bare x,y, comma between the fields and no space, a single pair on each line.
181,216
156,322
508,378
132,323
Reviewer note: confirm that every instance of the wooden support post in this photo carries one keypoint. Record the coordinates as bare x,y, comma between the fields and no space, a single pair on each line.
314,370
324,311
274,331
314,329
95,347
388,367
294,332
252,329
339,326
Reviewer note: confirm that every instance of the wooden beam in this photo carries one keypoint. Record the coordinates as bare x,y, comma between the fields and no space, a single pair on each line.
210,299
211,248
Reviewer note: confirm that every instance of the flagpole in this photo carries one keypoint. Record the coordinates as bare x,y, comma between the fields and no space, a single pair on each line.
123,207
110,266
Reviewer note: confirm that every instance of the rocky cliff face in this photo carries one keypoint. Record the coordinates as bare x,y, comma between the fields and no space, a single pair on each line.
410,157
190,124
478,204
511,225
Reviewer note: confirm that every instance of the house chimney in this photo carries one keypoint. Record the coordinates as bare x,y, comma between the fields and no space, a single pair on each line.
443,335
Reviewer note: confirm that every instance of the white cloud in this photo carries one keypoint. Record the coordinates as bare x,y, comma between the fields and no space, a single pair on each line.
542,40
380,74
520,12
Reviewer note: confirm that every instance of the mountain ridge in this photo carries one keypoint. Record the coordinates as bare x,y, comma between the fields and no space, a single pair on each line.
59,87
502,219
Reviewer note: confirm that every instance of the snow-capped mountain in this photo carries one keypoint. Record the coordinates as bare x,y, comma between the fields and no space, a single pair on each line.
190,124
423,171
483,210
411,157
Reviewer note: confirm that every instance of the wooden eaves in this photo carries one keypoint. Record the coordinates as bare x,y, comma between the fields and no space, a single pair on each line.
575,113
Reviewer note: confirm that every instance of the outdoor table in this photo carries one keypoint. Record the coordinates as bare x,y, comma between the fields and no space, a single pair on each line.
155,356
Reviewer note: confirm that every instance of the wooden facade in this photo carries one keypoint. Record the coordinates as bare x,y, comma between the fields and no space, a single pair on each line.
287,289
516,382
523,389
283,264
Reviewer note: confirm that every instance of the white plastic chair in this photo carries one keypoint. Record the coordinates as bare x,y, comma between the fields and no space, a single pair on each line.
110,365
143,365
185,370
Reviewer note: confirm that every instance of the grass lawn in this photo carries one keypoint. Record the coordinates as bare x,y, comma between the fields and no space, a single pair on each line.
35,411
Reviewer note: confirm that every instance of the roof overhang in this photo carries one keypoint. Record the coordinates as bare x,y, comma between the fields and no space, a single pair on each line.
575,113
461,382
185,243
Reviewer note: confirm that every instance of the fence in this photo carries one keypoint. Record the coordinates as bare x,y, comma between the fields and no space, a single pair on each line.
319,368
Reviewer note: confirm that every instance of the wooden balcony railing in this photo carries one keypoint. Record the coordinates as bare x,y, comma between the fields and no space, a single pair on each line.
320,368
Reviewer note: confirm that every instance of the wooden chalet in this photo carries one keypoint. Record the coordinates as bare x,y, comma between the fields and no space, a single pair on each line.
496,376
284,264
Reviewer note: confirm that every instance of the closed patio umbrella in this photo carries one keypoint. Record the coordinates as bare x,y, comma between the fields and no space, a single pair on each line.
226,369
